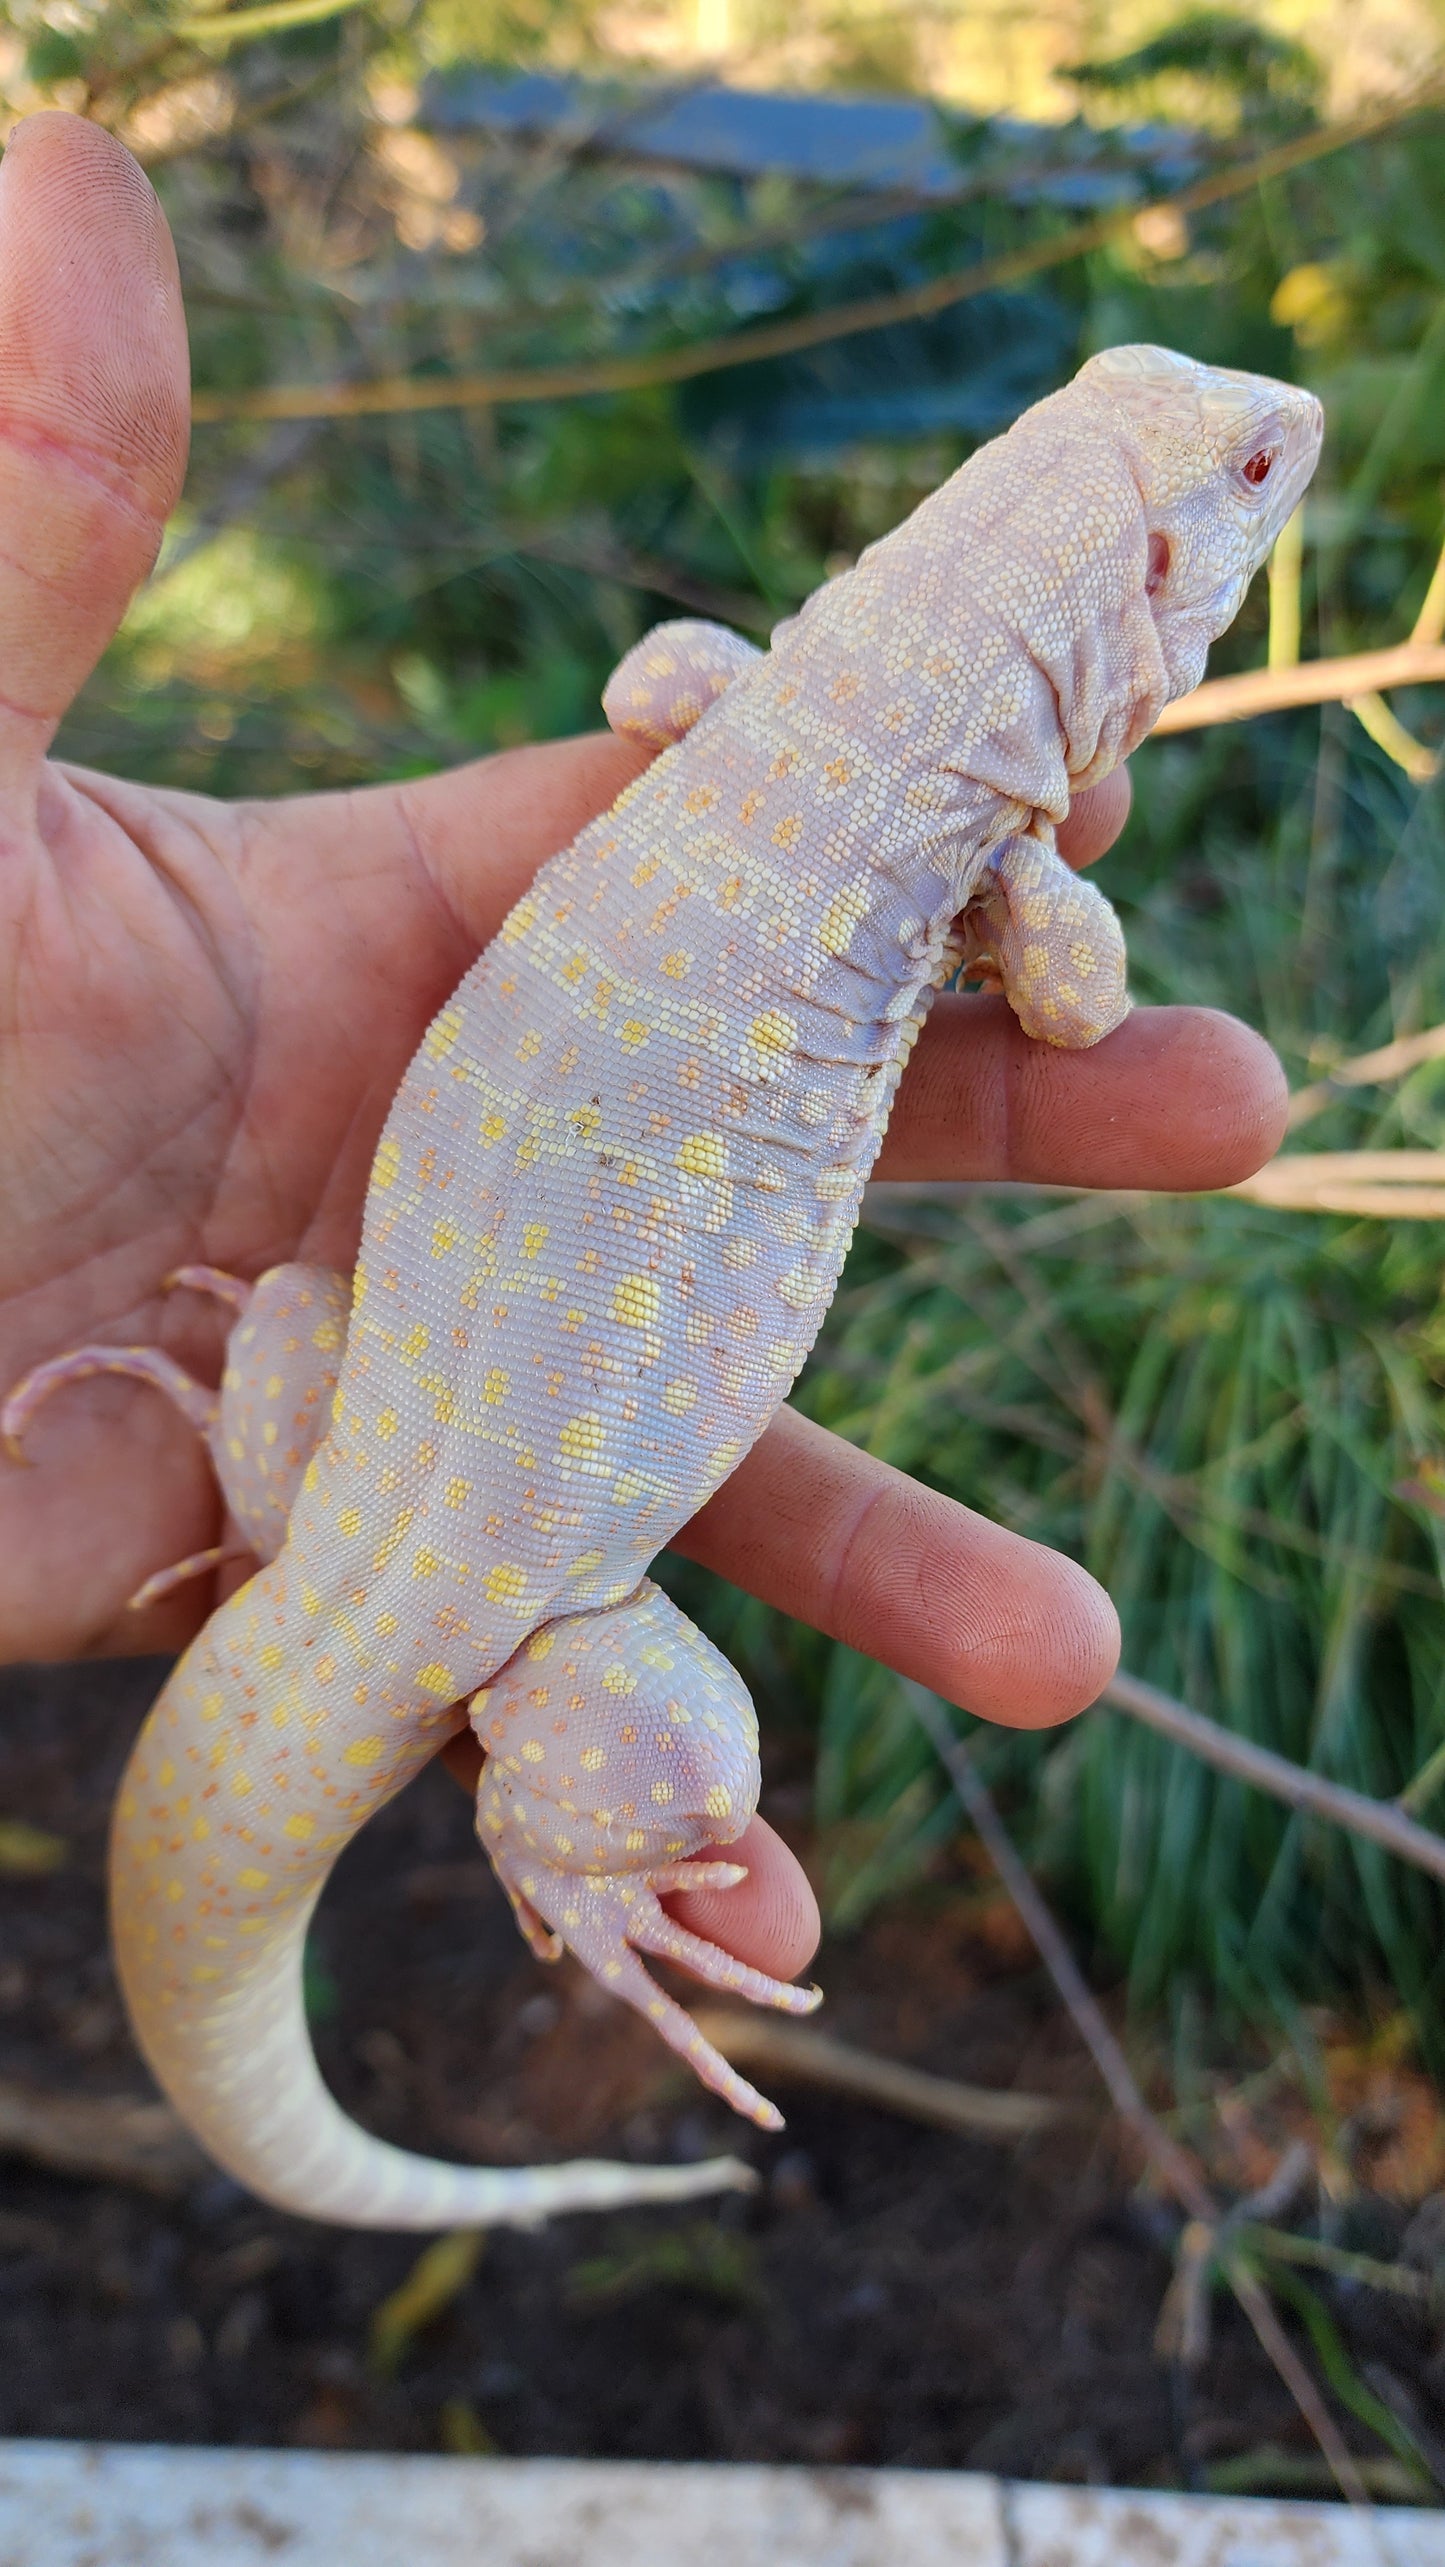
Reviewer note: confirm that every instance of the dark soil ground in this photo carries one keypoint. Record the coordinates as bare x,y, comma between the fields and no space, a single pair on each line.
892,2294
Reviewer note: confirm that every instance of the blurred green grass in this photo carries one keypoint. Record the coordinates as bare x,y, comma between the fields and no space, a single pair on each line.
1232,1414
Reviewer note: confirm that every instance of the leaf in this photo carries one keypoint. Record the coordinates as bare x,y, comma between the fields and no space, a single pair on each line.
274,18
26,1851
463,2432
441,2272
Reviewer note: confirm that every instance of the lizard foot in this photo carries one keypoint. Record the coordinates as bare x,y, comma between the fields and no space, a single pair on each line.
669,679
200,1406
260,1428
140,1363
620,1747
1050,941
197,1564
608,1921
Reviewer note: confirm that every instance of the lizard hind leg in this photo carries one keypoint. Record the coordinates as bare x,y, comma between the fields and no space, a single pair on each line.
283,1360
620,1745
669,678
261,1428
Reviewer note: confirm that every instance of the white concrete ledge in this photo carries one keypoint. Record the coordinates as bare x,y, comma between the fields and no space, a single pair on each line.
133,2505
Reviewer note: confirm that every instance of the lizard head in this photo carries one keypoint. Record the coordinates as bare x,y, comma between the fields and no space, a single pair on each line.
1221,460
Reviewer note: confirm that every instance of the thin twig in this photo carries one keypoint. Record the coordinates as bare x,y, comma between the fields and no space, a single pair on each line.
1257,2307
1388,732
1406,1185
1277,690
784,338
1356,1202
1429,624
1182,2333
1375,2276
1286,568
1379,1820
110,2139
237,26
1368,1069
1174,2165
784,2050
1374,1185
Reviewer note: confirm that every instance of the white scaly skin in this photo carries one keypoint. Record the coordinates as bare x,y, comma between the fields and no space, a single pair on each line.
605,1219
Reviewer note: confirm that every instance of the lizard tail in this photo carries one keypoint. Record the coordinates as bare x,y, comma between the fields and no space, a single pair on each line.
248,2087
220,1850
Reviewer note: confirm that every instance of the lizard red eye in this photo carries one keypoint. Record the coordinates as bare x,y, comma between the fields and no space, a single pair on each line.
1260,466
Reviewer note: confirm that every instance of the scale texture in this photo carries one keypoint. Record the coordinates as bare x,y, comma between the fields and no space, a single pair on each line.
605,1220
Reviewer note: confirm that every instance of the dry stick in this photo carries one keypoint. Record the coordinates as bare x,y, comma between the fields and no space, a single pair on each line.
1388,732
1182,2333
1379,1820
783,338
112,2139
1429,624
1174,2165
1373,714
760,2042
1274,690
1286,573
1368,1069
1391,1185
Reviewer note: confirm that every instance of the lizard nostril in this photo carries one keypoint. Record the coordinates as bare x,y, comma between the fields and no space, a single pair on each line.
1158,570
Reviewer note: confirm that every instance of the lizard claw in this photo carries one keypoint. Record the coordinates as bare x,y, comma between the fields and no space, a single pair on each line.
212,1279
634,1706
608,1919
197,1565
141,1363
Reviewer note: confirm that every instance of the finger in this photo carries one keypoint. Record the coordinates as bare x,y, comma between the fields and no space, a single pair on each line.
479,833
996,1624
94,405
1095,818
770,1920
1180,1098
531,801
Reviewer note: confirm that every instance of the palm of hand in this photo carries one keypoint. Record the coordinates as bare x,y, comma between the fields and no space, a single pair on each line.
209,1010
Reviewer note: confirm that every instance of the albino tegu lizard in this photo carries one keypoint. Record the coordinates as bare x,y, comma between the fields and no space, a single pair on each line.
605,1219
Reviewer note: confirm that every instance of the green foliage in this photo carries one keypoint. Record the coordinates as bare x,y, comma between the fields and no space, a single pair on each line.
1224,1410
1212,59
704,2260
1233,1415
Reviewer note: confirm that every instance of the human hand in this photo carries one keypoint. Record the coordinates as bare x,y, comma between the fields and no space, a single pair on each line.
207,1009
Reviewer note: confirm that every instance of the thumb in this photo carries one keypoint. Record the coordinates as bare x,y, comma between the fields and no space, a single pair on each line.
94,402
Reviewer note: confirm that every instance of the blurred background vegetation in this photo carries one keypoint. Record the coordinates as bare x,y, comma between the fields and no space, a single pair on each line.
1233,1414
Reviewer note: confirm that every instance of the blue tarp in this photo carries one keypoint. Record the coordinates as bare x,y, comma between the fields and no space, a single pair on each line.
879,144
967,370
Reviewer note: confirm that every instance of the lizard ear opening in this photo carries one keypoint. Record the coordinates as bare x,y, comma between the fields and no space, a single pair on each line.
1158,570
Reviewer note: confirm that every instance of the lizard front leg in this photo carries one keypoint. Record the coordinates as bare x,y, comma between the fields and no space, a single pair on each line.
669,678
1050,942
618,1746
261,1428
